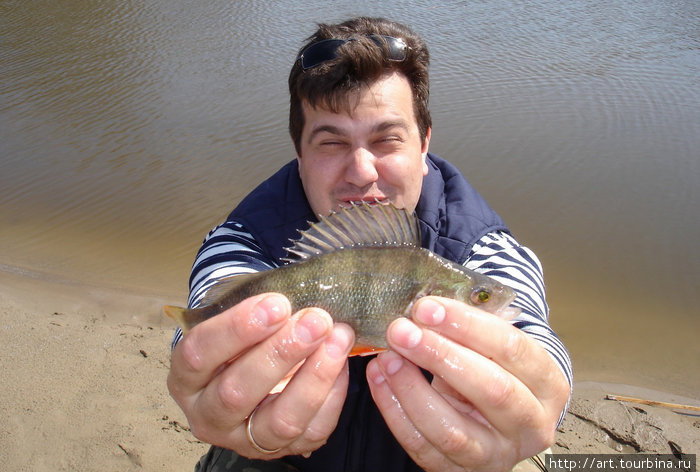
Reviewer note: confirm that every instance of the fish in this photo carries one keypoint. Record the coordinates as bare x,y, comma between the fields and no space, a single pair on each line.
365,266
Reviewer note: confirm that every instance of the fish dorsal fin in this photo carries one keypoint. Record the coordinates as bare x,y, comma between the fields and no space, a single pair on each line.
361,225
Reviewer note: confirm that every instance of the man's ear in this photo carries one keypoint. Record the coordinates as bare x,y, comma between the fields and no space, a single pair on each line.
424,150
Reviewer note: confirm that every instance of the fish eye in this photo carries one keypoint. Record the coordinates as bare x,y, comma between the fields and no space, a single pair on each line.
480,295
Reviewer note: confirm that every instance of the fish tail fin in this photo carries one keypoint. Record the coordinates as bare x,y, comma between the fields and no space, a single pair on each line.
178,314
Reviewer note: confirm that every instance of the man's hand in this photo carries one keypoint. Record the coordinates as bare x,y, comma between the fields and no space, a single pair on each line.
224,369
495,398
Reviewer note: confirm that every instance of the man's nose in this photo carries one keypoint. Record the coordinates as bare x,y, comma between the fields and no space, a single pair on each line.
361,169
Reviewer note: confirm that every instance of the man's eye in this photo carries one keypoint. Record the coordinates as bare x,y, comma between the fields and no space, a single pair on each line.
390,140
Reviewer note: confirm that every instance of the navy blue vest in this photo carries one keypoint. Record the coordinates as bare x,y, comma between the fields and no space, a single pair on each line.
453,216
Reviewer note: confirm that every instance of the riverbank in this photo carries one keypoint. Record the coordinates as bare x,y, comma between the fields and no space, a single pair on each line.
83,388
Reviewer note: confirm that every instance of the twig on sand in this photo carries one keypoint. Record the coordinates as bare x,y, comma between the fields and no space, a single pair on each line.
652,402
133,456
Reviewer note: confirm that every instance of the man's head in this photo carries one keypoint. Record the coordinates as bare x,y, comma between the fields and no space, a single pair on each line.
359,116
358,63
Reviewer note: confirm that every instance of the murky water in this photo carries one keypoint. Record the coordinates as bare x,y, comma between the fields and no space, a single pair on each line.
128,129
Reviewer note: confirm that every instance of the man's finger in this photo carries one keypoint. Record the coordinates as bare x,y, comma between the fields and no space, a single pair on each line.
212,343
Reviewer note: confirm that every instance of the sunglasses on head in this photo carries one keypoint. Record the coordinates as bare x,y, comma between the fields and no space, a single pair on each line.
327,49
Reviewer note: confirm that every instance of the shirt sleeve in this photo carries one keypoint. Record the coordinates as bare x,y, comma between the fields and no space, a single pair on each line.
227,250
501,257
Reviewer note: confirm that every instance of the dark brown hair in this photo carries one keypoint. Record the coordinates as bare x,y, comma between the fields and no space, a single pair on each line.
359,63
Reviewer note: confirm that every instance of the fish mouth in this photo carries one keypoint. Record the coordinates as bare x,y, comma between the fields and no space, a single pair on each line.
506,311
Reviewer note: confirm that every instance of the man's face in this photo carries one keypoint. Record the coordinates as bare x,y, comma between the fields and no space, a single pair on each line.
372,152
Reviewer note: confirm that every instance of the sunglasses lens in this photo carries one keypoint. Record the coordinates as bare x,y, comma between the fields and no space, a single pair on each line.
320,52
325,50
395,46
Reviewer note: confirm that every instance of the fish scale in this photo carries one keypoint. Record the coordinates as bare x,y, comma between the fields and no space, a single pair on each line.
363,282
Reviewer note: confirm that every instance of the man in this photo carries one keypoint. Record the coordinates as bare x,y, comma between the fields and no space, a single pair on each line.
459,389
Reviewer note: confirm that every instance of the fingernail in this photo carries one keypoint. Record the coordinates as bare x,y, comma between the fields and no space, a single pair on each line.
391,362
338,343
429,312
374,373
404,333
271,310
311,327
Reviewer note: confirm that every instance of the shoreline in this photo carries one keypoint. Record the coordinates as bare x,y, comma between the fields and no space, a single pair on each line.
596,425
84,371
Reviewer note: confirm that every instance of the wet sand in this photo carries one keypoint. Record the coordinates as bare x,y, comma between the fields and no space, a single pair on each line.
83,388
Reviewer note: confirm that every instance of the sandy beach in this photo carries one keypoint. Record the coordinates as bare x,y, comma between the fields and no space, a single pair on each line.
83,388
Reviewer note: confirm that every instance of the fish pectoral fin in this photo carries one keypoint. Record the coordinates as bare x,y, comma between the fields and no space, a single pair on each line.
365,350
283,383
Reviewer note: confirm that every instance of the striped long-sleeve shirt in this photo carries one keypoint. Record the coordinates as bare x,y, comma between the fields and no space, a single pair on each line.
230,250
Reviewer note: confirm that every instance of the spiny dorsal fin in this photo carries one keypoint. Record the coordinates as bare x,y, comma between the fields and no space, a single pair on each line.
361,225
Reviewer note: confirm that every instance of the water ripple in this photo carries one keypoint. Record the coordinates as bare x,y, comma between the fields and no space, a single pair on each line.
128,129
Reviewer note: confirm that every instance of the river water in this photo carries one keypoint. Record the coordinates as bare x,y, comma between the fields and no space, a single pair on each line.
129,129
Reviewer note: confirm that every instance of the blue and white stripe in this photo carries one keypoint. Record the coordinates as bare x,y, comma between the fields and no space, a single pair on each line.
500,256
227,250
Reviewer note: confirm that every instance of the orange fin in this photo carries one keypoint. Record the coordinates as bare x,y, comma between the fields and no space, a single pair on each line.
178,314
280,386
364,350
283,383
